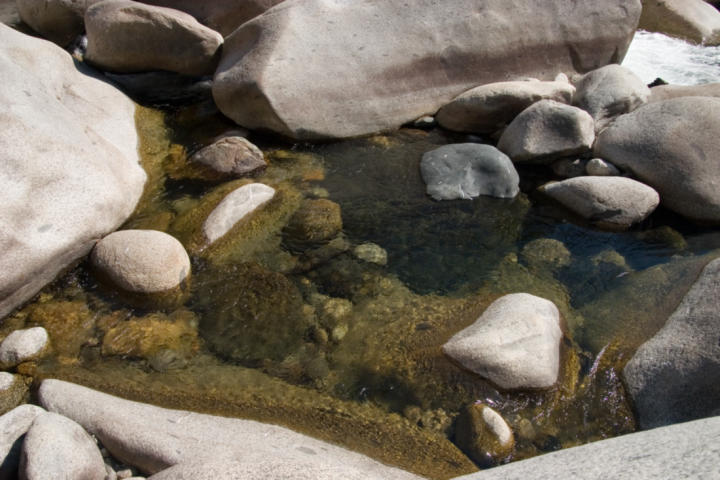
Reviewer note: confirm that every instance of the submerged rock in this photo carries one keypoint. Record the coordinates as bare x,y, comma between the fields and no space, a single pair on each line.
70,163
670,146
691,20
372,253
675,376
371,67
22,346
489,108
484,435
13,426
56,447
546,253
126,36
546,131
154,438
142,261
466,170
608,92
231,156
515,343
316,222
614,203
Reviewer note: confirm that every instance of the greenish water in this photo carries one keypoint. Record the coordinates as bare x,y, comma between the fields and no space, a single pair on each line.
315,338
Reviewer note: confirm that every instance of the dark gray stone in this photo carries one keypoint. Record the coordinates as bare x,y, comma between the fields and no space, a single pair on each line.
466,170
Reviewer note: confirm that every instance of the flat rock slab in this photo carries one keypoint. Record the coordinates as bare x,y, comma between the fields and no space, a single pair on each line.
13,426
489,108
70,172
127,36
614,203
154,438
675,376
467,170
671,146
546,131
689,451
55,448
515,343
319,69
234,207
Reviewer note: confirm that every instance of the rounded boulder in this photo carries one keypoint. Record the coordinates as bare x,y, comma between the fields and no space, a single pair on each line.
141,261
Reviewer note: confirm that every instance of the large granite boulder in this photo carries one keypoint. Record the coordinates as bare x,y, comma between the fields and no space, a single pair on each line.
466,170
692,20
609,92
331,69
613,203
489,108
515,343
671,146
223,16
60,21
127,36
68,150
153,438
675,376
13,427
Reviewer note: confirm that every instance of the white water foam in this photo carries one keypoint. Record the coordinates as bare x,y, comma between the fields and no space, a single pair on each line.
653,55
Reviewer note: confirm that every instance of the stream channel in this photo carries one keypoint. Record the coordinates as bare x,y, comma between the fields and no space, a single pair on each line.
335,341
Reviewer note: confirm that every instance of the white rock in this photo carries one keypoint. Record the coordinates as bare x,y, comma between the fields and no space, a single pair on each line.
23,345
153,438
142,261
608,202
497,424
55,448
546,131
515,343
14,425
234,207
68,150
600,168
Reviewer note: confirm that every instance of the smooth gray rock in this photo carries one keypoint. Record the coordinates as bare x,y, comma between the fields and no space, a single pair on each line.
666,92
688,451
70,172
675,376
234,207
223,16
614,203
13,426
127,36
231,156
23,345
141,261
691,20
609,92
56,448
319,69
600,168
467,170
515,343
60,21
546,131
489,108
154,438
671,146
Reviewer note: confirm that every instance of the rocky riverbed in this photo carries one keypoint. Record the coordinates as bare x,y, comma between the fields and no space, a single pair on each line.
384,259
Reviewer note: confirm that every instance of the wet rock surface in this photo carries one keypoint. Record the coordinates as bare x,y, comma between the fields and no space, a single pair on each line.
467,170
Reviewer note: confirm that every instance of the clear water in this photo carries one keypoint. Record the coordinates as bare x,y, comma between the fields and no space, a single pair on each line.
326,343
654,55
